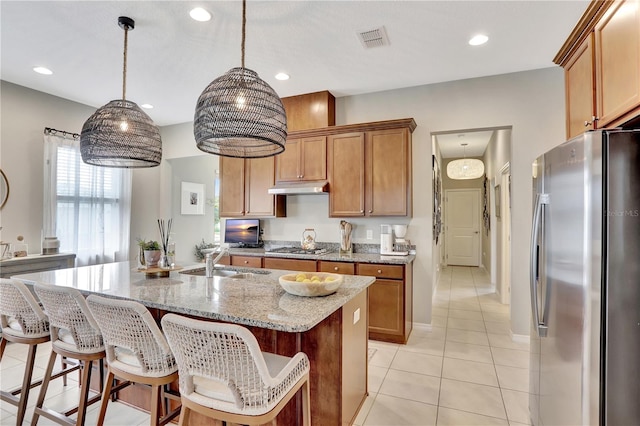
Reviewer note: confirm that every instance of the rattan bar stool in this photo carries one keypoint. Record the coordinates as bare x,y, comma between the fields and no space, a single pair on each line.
24,322
137,352
74,334
224,375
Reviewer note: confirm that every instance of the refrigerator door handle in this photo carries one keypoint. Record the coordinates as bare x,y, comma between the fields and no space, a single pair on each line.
541,327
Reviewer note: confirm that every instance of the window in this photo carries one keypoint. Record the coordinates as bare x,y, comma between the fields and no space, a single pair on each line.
87,207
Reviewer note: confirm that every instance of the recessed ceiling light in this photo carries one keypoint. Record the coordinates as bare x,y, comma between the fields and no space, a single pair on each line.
479,39
43,70
282,76
199,14
147,106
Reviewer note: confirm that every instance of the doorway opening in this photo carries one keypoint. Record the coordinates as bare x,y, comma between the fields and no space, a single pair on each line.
493,147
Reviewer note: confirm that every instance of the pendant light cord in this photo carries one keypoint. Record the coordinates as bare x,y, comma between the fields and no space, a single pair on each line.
124,66
244,24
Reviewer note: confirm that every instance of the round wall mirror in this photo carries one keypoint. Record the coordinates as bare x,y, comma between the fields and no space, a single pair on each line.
4,189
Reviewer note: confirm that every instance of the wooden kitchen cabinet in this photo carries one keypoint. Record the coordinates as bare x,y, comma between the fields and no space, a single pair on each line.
290,264
579,77
343,268
370,173
246,261
346,169
601,59
388,173
304,159
243,188
618,61
390,301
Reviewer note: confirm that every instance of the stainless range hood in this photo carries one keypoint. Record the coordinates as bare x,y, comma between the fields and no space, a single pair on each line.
317,187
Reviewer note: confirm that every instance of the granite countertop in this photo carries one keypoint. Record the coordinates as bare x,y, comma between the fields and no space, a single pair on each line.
257,301
334,257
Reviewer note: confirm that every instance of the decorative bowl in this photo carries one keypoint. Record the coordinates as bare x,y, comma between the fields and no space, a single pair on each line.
311,284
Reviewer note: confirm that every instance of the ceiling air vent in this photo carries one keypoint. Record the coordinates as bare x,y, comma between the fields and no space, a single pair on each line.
373,38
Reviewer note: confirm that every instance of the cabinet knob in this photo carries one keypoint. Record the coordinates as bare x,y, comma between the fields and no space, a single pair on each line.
379,271
361,211
335,268
246,261
370,211
590,122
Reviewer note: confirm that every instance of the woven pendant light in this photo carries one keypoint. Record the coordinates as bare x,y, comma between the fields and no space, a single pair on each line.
120,134
240,115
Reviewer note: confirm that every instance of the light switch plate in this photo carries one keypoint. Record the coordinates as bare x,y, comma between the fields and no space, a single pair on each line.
369,234
356,316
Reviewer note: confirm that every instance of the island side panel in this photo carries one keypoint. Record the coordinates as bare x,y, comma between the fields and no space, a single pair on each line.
355,345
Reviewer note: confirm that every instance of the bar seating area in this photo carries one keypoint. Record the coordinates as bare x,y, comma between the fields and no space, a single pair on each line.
221,370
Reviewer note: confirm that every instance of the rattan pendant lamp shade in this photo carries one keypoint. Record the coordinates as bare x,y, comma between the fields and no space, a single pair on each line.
239,115
120,134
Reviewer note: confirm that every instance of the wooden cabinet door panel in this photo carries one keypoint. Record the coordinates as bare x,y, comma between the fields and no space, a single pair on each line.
580,90
344,268
385,307
290,264
618,61
247,261
288,162
388,167
313,158
231,187
260,177
346,174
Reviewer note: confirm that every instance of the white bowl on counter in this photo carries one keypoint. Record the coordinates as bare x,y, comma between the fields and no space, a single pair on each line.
311,284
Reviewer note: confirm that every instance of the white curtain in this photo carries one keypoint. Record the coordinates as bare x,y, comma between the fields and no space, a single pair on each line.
87,207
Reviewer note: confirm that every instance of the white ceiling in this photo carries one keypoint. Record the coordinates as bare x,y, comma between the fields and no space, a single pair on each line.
173,58
451,143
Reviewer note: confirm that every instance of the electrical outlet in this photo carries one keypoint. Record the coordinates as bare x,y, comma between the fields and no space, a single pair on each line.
356,316
369,234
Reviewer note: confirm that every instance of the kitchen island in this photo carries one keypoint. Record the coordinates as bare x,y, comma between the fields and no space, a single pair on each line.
331,330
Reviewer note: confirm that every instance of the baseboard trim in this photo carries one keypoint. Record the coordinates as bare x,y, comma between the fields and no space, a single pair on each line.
519,338
422,326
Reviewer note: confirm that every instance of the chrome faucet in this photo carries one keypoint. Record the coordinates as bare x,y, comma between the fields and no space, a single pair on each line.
210,261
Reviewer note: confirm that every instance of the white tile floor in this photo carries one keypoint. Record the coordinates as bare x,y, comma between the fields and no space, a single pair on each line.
466,370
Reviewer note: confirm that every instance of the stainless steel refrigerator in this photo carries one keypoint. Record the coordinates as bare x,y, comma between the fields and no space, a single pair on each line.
585,282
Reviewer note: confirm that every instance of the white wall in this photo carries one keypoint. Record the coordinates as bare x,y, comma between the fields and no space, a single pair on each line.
531,102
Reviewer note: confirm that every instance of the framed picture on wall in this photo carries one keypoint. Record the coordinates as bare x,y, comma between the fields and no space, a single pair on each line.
192,198
497,197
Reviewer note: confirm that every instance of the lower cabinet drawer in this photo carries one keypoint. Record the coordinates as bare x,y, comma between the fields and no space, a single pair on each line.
344,268
248,261
381,270
290,264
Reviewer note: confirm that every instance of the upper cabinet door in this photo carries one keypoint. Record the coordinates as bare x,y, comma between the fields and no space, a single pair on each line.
260,177
580,90
288,162
388,171
313,158
231,187
618,61
346,174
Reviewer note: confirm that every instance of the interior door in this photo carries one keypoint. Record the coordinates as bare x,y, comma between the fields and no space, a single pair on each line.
463,227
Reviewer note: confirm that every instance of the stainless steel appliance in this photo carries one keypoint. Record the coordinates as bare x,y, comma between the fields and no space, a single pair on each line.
585,282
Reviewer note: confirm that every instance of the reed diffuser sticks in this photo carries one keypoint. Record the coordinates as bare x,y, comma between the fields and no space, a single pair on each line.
165,232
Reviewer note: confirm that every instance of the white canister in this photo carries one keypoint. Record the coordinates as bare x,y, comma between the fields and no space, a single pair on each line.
50,245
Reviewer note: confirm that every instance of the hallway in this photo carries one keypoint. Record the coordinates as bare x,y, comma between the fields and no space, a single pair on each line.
466,370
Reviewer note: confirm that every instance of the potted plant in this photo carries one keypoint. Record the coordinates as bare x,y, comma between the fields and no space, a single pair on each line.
150,252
